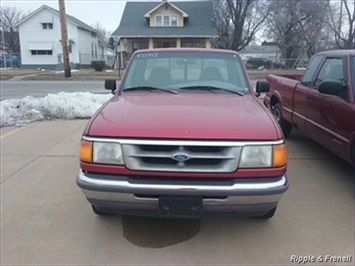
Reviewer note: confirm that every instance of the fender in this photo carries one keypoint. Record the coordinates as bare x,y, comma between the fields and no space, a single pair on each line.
276,98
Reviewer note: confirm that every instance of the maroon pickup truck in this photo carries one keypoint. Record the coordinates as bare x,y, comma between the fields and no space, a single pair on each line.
320,103
183,136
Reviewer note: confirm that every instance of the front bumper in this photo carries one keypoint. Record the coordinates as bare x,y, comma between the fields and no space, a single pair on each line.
140,195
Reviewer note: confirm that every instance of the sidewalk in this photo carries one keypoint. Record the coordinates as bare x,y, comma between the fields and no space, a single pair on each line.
24,146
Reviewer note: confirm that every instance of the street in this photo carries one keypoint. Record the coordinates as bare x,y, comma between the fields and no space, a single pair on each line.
45,218
13,89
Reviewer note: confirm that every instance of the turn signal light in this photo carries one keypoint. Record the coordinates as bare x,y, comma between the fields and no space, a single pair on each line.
86,151
279,155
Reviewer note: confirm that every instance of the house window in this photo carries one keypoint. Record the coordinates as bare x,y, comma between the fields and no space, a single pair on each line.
92,50
166,21
95,50
70,48
41,52
164,44
136,45
193,43
93,34
173,21
158,21
47,26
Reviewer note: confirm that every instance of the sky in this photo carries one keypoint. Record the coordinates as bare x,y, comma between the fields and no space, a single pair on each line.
106,12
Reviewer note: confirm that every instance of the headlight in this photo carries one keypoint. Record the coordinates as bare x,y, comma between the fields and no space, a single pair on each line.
101,152
256,156
263,156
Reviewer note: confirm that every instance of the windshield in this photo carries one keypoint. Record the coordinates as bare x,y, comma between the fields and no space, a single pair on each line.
186,69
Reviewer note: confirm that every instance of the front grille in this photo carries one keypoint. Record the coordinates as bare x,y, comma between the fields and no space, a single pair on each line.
197,158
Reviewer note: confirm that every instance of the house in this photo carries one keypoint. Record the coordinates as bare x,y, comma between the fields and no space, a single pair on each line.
267,50
166,24
40,40
269,55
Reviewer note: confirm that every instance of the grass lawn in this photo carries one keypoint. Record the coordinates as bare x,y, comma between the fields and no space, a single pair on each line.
35,74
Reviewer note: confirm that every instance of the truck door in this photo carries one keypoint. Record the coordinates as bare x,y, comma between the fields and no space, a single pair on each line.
328,116
301,91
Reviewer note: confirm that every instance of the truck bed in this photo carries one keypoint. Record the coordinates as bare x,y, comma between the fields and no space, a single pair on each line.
282,89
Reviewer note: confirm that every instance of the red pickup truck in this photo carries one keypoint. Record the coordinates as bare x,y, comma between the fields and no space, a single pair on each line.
184,135
320,103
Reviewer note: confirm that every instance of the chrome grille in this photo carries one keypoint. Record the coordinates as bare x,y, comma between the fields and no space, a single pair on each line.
199,158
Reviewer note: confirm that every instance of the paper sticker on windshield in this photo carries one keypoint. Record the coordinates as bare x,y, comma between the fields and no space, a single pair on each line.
147,55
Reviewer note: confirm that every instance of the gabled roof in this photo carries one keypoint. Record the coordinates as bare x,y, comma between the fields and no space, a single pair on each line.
198,24
70,18
147,15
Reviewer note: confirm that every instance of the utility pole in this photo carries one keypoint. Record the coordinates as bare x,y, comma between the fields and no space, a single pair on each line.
64,33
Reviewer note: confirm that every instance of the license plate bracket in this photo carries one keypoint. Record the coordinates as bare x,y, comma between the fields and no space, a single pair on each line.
180,206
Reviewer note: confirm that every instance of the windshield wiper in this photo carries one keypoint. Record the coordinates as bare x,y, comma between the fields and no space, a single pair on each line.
210,88
149,88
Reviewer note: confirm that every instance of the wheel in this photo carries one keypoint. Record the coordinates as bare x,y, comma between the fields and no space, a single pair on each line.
285,126
99,212
268,215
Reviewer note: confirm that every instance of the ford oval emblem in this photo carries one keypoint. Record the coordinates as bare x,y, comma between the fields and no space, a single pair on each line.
180,157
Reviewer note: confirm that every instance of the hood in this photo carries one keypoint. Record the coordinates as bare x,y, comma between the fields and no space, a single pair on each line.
187,115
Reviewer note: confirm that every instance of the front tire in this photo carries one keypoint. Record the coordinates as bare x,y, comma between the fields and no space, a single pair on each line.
285,125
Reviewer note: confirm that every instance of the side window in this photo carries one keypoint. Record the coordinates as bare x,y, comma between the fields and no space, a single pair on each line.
311,70
333,68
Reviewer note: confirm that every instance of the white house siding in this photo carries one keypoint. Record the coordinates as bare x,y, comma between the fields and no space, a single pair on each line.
33,36
166,11
262,51
85,45
73,40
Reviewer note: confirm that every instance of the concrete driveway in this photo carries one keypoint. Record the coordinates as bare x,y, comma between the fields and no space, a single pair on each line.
45,219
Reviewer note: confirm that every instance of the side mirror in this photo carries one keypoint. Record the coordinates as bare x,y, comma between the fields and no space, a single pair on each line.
262,86
110,84
333,87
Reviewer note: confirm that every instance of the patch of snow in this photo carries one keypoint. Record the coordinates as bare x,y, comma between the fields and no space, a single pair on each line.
109,70
20,112
62,71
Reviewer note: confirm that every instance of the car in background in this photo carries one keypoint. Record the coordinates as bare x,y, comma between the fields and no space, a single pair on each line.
12,60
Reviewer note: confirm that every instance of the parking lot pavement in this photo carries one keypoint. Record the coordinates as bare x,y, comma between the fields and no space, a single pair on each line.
45,219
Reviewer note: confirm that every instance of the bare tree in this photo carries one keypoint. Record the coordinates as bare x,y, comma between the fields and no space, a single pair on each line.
238,21
103,34
9,17
341,21
313,33
298,26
